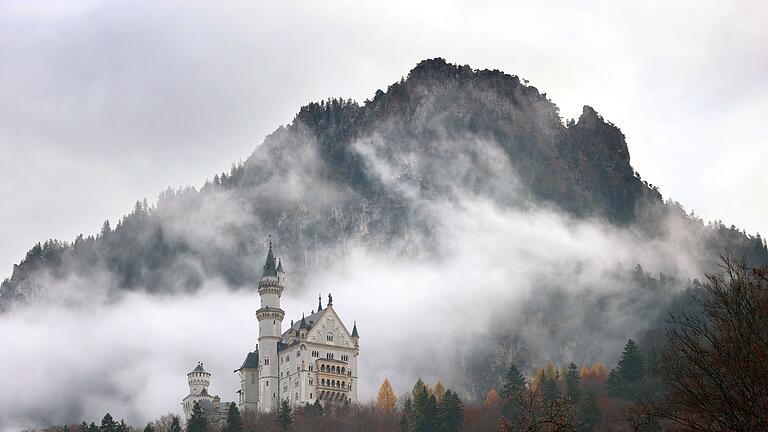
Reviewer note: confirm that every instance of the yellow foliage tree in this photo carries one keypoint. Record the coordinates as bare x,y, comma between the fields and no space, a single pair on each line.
492,398
439,391
386,398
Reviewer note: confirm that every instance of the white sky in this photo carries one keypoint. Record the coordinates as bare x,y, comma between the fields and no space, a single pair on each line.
102,104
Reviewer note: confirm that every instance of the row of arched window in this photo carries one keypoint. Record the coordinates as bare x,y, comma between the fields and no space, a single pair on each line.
333,369
333,383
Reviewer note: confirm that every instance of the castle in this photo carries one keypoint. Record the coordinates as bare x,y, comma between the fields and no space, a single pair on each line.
315,359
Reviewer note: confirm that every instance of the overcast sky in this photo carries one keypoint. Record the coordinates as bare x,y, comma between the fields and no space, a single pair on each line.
105,103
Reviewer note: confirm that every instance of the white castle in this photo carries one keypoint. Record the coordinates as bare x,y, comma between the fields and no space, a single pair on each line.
316,358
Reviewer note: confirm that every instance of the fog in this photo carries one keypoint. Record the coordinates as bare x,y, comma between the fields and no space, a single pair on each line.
129,355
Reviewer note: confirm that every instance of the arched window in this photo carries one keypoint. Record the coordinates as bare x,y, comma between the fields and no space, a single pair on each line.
266,361
322,382
329,337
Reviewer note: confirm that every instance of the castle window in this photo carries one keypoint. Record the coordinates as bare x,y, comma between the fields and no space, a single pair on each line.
310,368
329,356
311,382
267,383
266,361
310,395
329,338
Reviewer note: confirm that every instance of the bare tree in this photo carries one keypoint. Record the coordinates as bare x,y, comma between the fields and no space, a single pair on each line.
714,366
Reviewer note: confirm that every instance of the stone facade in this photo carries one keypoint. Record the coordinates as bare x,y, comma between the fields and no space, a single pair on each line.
315,358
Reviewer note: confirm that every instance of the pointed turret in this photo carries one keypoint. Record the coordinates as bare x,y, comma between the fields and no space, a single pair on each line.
319,302
269,266
280,266
354,331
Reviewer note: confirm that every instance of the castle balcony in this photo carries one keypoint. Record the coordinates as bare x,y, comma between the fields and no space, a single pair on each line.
335,385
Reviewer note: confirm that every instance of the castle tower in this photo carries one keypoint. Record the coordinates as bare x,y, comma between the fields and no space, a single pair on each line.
270,318
198,380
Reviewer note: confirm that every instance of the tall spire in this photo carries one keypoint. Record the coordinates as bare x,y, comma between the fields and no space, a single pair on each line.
269,266
354,331
319,302
280,266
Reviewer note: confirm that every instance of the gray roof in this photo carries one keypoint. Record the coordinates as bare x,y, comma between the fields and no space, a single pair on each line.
199,368
354,331
251,361
280,266
309,322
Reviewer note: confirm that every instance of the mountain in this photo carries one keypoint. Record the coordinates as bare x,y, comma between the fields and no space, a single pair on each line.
343,173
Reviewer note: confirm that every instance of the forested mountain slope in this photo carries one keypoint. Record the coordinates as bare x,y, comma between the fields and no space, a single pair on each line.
343,173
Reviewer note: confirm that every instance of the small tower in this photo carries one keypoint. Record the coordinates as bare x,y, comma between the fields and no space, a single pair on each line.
198,380
270,318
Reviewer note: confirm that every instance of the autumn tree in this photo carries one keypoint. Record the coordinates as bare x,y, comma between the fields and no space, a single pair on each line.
715,365
386,399
491,398
439,390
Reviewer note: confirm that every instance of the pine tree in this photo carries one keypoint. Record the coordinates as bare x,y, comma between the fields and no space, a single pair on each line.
514,383
149,428
405,425
285,415
108,424
589,412
573,383
175,426
624,379
83,426
549,391
450,413
93,428
122,427
317,408
417,388
386,399
630,366
234,421
424,416
197,422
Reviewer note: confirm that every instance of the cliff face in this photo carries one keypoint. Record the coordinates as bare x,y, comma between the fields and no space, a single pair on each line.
344,172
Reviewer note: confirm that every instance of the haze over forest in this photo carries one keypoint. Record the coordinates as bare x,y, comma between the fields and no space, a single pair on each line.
457,205
455,193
